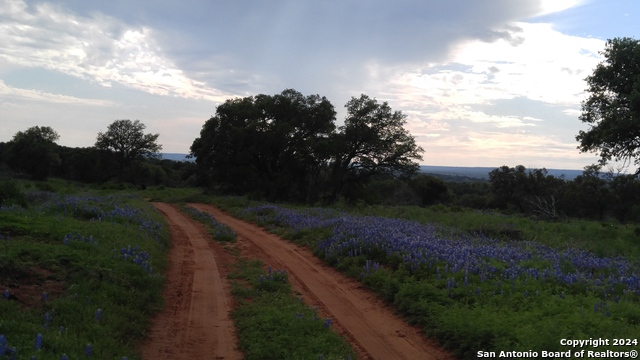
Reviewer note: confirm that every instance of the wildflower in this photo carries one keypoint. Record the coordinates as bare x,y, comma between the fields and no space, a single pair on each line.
327,323
3,344
7,293
64,357
98,314
44,296
38,344
87,350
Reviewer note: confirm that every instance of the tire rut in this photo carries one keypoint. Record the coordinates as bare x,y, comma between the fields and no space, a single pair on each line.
371,326
195,322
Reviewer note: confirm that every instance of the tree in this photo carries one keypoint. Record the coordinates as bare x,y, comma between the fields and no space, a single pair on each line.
587,195
271,146
127,140
372,141
430,189
612,109
33,151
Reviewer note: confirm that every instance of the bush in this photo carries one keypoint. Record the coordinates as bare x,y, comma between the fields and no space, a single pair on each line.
10,193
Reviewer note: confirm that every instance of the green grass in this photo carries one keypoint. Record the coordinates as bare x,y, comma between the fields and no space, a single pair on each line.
86,276
273,324
601,238
523,314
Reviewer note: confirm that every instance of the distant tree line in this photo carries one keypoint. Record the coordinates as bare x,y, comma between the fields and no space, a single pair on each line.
122,154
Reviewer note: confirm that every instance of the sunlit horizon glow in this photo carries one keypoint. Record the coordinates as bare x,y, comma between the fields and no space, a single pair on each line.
485,85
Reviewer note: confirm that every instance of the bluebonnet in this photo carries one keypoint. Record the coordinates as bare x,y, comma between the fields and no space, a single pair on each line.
416,247
38,344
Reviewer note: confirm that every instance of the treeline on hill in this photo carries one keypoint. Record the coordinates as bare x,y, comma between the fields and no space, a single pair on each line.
34,153
287,147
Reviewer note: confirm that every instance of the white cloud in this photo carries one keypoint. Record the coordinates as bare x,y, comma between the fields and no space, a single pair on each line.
9,92
99,48
491,148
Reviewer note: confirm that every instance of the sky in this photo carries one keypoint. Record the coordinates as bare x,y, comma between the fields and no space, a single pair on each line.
482,82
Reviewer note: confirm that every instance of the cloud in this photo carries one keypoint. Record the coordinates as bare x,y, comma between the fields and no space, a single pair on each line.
9,92
491,148
99,48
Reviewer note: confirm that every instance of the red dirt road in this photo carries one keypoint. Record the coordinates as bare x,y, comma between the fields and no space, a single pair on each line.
373,329
195,322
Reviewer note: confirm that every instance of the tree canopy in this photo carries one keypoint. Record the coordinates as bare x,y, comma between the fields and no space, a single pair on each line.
612,109
33,151
373,141
271,145
127,140
287,146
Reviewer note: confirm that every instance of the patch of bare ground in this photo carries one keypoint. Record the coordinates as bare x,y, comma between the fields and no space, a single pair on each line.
27,286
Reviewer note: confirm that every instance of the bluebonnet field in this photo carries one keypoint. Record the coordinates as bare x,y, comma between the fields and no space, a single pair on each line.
94,260
473,292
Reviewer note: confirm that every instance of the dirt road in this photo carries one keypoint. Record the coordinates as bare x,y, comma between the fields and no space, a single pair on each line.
194,323
372,328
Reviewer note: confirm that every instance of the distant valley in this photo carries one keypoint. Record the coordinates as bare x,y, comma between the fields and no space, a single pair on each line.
446,172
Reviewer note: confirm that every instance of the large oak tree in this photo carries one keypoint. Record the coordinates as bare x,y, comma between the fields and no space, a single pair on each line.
612,109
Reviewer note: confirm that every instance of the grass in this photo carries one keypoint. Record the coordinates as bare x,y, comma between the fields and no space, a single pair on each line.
79,273
272,323
621,239
519,295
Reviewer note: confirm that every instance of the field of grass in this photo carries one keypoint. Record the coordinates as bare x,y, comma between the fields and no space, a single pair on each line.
79,273
472,292
601,238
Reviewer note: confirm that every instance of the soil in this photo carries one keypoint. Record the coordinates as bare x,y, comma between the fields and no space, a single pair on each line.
194,322
367,322
27,286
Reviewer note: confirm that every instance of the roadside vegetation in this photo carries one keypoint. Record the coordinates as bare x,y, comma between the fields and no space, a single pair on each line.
80,272
469,291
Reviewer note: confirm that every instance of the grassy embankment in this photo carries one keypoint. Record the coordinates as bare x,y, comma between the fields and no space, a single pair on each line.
79,272
532,286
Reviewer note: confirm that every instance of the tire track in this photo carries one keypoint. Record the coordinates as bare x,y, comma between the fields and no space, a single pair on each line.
195,322
372,327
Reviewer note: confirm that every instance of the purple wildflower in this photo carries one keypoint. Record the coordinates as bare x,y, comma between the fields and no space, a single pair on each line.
38,344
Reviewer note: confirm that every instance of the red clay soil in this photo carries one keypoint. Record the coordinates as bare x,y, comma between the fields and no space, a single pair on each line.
195,322
373,329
